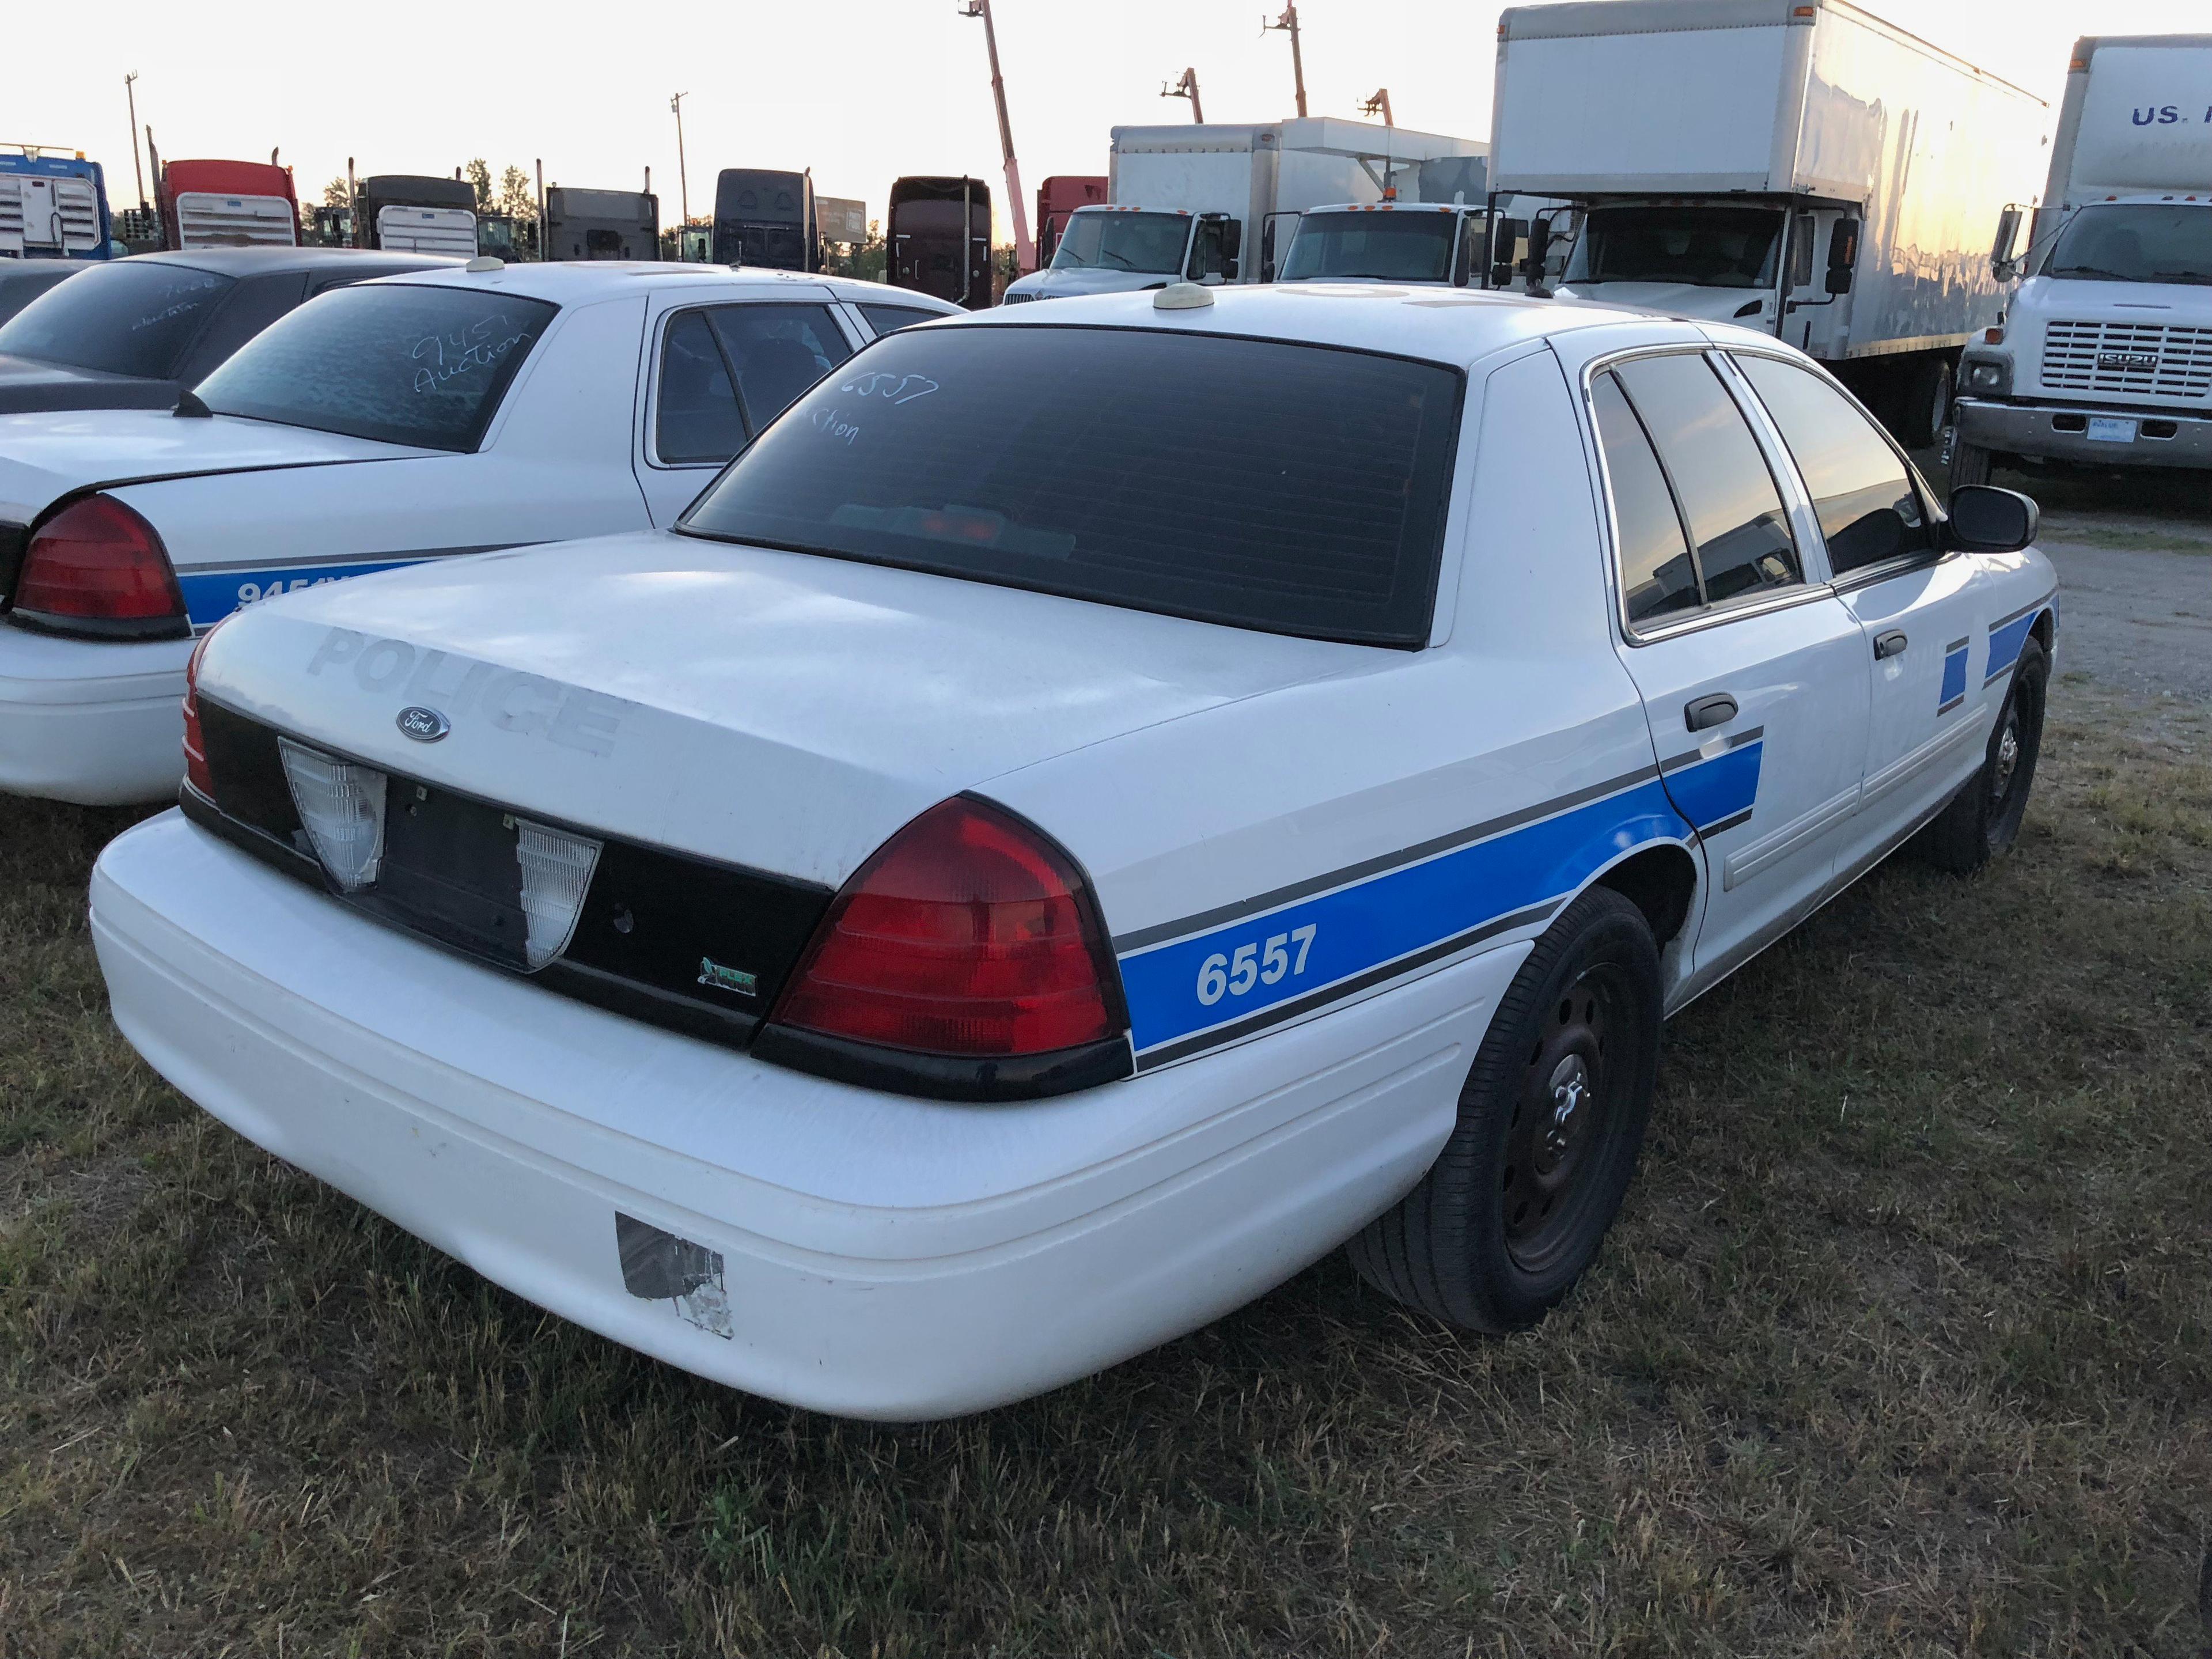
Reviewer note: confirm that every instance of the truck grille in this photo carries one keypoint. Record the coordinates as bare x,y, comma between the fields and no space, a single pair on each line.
205,219
2152,360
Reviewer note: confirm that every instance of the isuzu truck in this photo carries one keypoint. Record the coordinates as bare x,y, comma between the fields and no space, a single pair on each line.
1799,166
2106,358
1219,202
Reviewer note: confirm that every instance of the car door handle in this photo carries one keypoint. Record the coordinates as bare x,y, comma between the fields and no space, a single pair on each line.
1889,645
1702,712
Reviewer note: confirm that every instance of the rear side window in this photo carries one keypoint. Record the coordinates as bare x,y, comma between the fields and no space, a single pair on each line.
1290,488
889,319
1657,576
1868,507
132,317
1728,498
402,365
727,371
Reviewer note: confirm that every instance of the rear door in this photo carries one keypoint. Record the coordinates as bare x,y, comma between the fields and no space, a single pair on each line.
1918,608
719,374
1752,672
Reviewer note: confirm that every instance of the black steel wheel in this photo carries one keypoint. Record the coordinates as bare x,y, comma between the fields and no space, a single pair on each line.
1551,1121
1982,819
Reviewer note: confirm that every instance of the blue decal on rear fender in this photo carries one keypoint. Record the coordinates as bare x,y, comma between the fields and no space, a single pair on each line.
211,595
1313,950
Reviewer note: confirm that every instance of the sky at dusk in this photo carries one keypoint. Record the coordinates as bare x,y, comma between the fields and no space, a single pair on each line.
861,91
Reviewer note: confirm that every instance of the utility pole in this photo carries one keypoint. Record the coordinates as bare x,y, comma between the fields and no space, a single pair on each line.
1289,21
1025,250
1378,104
130,91
1186,87
683,176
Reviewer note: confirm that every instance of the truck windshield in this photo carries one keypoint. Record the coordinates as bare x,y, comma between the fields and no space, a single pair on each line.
1702,247
1292,489
130,317
402,365
1398,247
2129,242
1150,242
741,242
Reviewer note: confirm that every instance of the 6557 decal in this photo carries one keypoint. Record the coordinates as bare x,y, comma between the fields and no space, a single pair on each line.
1264,963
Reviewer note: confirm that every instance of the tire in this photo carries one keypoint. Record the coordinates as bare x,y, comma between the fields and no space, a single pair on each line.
1982,819
1970,464
1925,404
1515,1207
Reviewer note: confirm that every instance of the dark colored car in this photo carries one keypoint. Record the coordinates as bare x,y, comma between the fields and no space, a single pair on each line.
134,333
22,281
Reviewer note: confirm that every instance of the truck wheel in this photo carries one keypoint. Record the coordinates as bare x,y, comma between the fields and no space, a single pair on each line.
1970,464
1982,820
1550,1119
1926,404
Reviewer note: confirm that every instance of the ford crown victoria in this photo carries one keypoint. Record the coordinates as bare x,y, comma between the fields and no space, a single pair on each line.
1084,816
398,421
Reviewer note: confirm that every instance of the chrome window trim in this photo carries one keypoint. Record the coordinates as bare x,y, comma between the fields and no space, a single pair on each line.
1711,616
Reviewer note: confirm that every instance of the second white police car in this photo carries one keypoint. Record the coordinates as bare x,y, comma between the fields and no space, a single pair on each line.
1084,816
402,420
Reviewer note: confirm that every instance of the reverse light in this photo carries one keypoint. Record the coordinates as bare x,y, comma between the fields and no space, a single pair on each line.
556,873
96,563
341,805
969,934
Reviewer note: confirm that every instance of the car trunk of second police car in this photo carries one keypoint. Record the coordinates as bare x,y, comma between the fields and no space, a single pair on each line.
979,547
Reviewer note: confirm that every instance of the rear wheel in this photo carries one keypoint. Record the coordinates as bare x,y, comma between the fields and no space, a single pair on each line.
1551,1119
1925,403
1984,819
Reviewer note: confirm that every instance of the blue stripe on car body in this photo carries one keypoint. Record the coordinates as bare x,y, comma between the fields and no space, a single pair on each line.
2007,635
211,595
1954,676
1203,988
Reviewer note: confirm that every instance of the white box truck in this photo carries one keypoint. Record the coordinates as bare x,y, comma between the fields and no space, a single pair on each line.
1198,203
1799,166
2105,357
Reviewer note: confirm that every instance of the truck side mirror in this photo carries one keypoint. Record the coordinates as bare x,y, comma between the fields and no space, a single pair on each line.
1232,241
1463,257
1506,248
1842,256
1540,245
2002,264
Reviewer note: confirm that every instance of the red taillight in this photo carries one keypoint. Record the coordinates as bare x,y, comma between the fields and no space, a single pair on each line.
968,933
97,560
195,763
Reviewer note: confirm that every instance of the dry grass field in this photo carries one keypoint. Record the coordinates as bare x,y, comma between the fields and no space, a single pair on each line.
1904,1347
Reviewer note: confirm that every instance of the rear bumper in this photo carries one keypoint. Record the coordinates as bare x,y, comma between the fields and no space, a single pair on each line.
91,721
2060,433
870,1255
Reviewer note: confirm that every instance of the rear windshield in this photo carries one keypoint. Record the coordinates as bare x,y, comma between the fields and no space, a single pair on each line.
130,317
401,364
1401,247
1295,488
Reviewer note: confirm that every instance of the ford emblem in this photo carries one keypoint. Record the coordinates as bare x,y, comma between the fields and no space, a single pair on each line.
423,725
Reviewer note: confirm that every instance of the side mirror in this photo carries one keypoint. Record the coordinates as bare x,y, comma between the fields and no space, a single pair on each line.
1463,259
1232,240
2002,264
1540,245
1987,520
1506,247
1842,256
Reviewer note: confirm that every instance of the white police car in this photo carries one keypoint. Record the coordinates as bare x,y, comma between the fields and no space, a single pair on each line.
1083,816
429,415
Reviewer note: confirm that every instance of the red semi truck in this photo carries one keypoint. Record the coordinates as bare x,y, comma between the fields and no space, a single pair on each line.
226,204
1058,196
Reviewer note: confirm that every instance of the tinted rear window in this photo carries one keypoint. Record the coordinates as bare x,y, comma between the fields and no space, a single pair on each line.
405,365
132,317
1290,488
